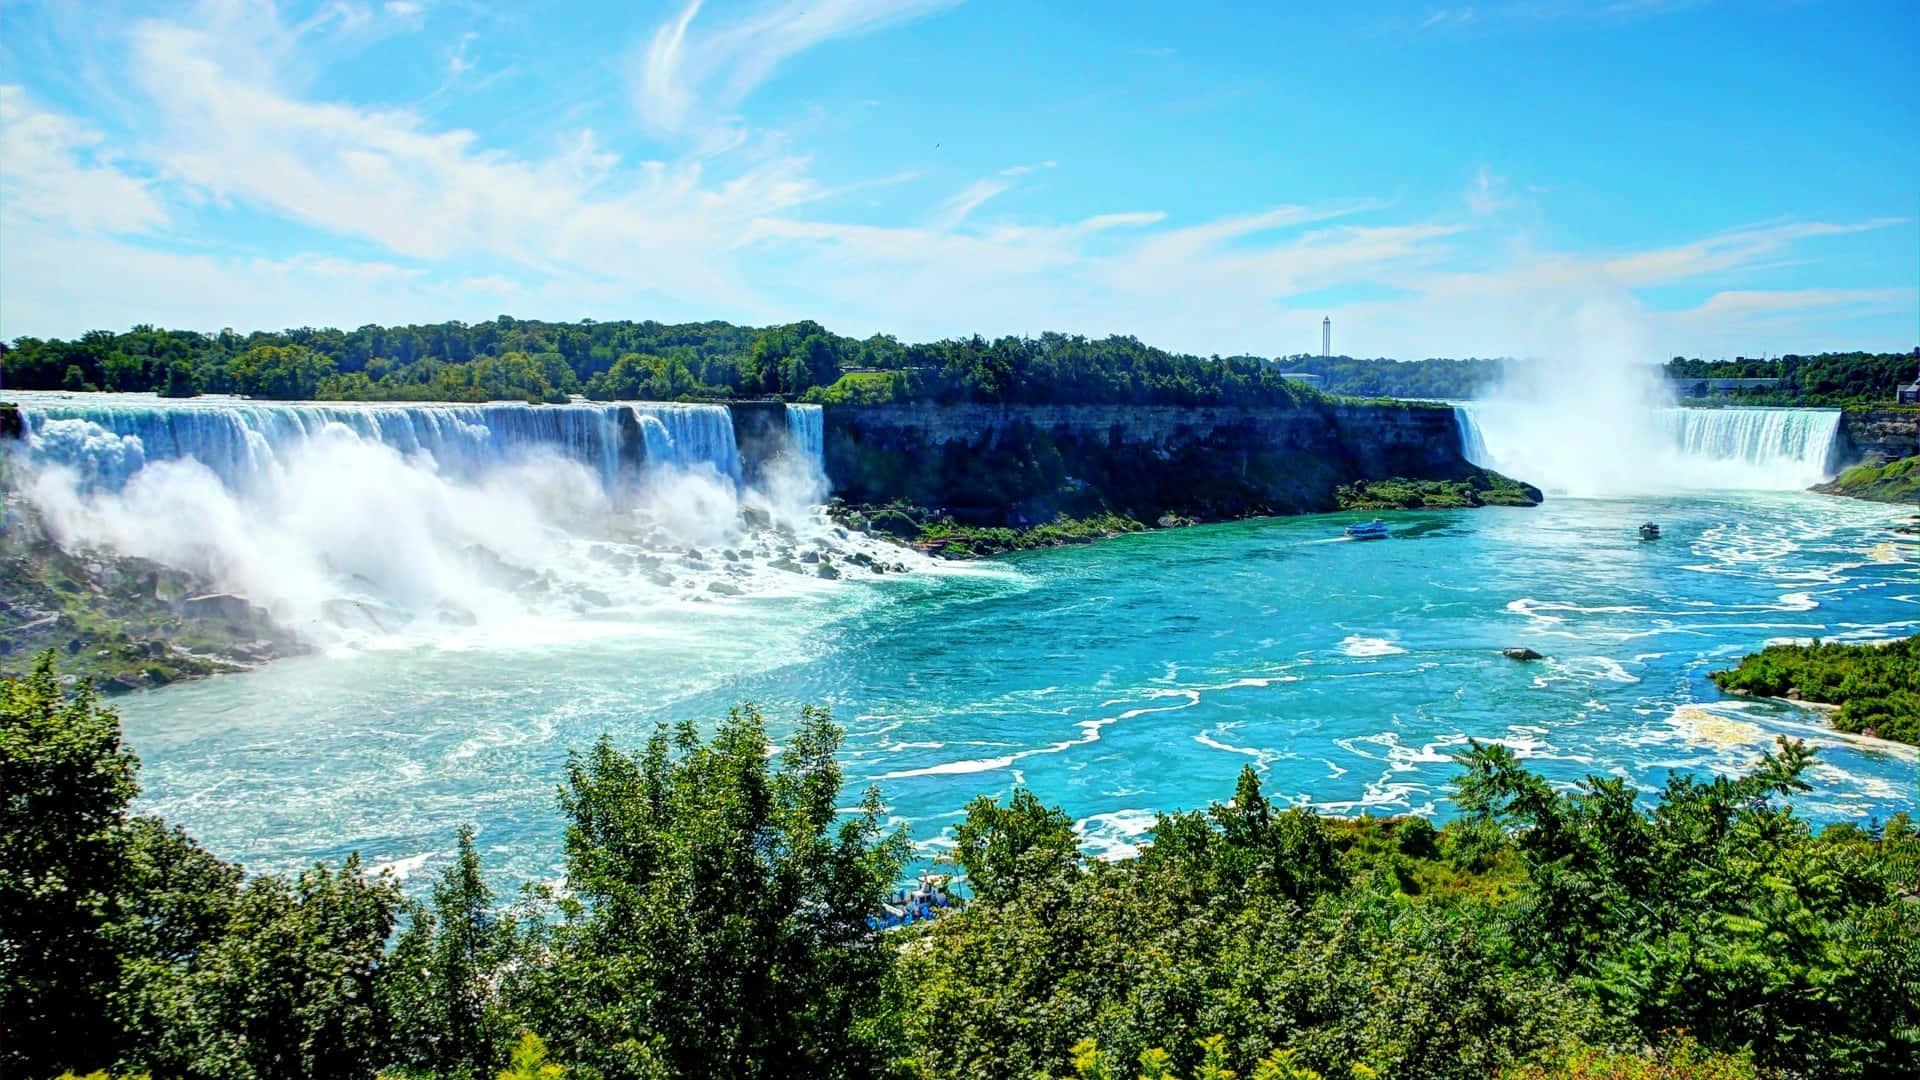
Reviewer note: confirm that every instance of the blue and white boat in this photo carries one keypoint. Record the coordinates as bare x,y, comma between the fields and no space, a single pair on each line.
1372,530
928,901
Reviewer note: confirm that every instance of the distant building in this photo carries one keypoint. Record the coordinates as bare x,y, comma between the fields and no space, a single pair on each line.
1326,337
1699,388
1302,377
1909,393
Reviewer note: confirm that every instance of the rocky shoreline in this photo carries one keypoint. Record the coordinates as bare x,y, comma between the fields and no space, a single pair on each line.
1878,480
126,623
938,533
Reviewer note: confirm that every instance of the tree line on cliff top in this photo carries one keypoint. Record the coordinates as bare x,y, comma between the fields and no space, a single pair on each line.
509,359
714,923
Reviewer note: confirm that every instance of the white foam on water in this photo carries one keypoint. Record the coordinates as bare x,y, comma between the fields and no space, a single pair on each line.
1358,645
463,527
1117,834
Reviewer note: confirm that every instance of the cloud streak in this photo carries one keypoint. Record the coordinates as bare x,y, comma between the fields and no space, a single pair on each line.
690,80
397,217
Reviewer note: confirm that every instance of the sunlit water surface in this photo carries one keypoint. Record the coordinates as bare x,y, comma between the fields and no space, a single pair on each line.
1115,680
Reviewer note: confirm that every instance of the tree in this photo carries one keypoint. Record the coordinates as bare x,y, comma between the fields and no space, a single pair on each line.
65,782
124,944
446,1020
722,925
284,372
1010,850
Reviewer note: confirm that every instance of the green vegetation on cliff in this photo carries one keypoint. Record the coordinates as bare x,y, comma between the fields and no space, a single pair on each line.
938,534
1876,686
1482,487
1891,482
715,923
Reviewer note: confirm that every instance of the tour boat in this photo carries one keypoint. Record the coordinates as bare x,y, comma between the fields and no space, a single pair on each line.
1649,531
907,908
1372,530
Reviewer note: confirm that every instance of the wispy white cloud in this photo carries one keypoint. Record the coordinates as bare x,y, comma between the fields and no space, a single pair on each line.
458,63
691,79
955,210
1488,193
1751,303
443,223
54,168
1727,250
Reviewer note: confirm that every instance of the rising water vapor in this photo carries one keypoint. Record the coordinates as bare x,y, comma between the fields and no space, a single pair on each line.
1594,415
355,526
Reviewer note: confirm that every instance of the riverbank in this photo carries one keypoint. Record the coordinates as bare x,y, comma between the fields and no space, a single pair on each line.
936,532
125,623
1877,687
1887,482
1482,487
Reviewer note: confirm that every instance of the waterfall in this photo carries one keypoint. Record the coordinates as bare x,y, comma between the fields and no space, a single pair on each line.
1686,449
689,436
807,431
1472,446
1793,443
244,442
354,523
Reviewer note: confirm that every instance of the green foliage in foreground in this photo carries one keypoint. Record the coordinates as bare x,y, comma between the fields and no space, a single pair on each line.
1876,686
1483,488
1892,482
715,924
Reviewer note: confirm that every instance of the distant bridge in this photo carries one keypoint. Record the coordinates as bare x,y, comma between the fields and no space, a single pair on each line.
1699,388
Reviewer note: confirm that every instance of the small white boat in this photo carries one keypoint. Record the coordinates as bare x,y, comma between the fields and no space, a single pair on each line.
1372,530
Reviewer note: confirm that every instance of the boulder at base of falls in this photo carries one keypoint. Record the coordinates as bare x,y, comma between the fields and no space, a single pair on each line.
234,609
827,570
1521,654
721,588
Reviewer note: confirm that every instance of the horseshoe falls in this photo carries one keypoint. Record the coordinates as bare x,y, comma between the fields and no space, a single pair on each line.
1661,450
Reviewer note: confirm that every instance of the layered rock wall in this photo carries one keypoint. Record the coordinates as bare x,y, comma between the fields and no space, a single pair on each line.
1875,434
1015,464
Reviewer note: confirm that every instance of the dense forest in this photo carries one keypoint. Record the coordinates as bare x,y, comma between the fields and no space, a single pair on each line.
1829,379
715,923
524,359
509,359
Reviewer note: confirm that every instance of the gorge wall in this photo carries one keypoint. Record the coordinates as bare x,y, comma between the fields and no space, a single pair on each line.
1889,433
1021,465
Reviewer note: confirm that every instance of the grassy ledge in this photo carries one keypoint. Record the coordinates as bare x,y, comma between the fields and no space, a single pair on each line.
1482,488
1892,482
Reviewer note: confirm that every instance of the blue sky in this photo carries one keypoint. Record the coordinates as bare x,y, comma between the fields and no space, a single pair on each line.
1496,179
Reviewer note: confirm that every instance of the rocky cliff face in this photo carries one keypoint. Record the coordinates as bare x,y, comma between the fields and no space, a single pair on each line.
1018,465
1889,433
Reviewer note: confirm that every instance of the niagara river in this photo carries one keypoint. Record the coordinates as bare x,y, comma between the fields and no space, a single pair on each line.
488,588
1116,680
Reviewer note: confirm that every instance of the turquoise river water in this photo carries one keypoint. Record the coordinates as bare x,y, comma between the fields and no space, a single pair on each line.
1116,680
